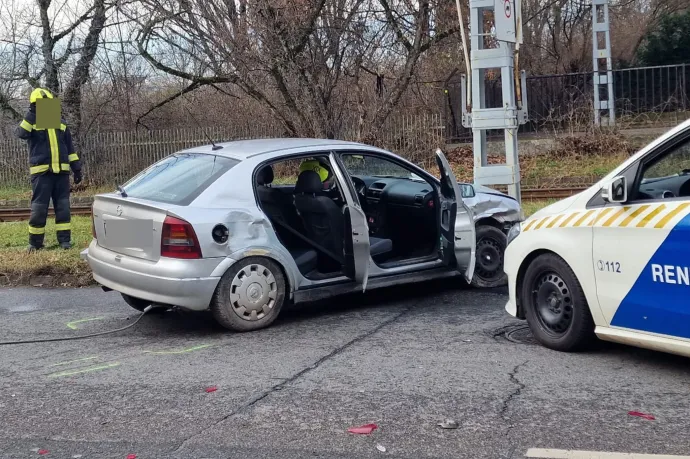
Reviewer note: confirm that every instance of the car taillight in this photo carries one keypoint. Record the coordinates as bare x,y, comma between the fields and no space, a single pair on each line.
179,239
93,225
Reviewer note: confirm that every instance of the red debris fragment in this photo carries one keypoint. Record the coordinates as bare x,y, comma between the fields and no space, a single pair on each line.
363,430
211,389
43,452
648,417
131,456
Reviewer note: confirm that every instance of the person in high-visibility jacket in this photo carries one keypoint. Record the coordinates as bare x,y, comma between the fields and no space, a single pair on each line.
51,158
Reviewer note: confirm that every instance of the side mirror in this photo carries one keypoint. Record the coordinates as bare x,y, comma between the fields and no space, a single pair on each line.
616,190
467,190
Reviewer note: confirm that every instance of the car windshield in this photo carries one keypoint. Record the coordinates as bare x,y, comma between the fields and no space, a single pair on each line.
179,178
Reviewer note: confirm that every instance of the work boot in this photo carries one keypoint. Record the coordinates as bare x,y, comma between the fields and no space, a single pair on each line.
33,248
66,245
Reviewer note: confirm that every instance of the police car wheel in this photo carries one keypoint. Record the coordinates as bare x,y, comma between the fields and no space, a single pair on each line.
488,269
555,305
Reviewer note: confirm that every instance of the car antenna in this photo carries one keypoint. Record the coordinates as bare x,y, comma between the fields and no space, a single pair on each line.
214,147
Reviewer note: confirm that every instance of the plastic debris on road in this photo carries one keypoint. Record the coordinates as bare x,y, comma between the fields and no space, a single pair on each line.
648,417
363,430
448,424
131,456
211,389
43,452
381,448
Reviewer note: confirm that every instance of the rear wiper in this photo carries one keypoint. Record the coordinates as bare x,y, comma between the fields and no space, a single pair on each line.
122,191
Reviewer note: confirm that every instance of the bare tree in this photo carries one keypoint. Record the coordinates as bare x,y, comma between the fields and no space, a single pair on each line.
292,56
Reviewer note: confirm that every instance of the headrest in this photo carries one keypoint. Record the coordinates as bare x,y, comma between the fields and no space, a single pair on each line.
308,182
265,176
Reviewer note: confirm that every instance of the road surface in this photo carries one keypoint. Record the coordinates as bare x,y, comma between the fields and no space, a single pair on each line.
404,359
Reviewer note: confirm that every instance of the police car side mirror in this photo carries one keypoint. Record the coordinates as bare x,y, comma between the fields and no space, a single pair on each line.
616,190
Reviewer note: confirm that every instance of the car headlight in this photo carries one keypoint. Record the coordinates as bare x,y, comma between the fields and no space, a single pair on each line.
513,232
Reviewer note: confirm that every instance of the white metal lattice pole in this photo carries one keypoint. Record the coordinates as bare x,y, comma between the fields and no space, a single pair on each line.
602,79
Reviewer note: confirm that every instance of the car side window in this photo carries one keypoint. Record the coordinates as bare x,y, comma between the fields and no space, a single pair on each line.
668,176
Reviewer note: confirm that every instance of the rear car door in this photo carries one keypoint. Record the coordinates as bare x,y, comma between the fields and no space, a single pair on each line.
641,248
458,238
356,229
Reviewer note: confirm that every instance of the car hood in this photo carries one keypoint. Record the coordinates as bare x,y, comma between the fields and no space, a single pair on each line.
490,203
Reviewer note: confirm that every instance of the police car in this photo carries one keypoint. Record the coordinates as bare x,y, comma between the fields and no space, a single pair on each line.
613,261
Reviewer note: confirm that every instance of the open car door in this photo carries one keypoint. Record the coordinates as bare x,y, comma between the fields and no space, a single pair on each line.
356,228
458,239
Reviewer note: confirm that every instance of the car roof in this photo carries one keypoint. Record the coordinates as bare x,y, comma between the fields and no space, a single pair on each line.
243,149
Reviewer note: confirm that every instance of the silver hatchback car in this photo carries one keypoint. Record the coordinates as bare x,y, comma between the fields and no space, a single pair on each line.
245,227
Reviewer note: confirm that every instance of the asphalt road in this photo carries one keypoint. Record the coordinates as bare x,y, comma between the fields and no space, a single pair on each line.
403,359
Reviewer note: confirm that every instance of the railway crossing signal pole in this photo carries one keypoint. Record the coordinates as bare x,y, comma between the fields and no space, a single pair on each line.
602,79
512,110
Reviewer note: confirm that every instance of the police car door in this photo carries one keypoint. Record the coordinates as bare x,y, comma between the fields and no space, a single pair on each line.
641,250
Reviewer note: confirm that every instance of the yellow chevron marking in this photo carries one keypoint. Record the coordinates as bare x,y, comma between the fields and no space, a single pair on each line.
530,224
601,215
541,223
567,220
583,218
615,216
671,214
554,221
650,216
633,215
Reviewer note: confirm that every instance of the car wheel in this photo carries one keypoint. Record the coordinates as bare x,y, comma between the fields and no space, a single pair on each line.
491,247
555,305
250,295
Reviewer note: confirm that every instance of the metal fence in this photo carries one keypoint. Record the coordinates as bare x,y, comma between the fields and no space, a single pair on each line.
111,158
644,96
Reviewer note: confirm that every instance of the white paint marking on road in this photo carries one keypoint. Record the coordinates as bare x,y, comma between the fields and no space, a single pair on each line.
574,454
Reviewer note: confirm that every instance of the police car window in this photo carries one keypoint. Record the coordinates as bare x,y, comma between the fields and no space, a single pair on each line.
373,166
667,177
179,178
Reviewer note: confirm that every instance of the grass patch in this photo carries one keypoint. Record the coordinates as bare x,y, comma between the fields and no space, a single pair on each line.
67,269
17,192
530,207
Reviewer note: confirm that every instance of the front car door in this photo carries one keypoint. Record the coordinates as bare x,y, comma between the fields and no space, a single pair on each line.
356,229
458,243
641,248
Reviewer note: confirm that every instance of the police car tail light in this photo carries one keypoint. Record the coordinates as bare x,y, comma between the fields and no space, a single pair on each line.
179,239
93,225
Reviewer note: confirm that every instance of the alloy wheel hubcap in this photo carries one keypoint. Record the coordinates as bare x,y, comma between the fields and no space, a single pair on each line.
253,292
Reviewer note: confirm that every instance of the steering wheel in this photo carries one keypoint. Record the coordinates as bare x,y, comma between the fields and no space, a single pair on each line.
360,188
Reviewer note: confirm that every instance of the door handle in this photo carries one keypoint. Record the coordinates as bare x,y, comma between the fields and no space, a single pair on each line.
355,233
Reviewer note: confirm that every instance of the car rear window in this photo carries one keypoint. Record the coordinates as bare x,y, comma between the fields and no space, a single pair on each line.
179,178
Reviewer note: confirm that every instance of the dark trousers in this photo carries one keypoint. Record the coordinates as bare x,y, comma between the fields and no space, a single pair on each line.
46,187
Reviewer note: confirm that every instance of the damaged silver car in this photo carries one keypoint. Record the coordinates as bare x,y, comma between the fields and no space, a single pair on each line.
245,227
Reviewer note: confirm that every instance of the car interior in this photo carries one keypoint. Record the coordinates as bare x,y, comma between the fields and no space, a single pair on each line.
667,176
308,216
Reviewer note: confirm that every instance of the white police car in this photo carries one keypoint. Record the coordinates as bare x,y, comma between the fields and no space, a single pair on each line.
612,261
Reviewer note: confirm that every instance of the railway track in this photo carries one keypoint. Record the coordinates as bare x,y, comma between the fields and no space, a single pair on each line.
9,215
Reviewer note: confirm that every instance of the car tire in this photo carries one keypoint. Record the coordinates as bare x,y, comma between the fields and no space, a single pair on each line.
250,295
490,252
555,305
